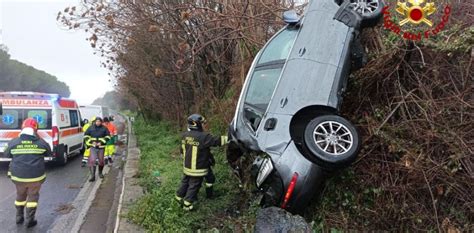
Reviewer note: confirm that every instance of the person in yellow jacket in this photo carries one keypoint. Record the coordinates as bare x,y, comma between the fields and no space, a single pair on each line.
87,152
110,147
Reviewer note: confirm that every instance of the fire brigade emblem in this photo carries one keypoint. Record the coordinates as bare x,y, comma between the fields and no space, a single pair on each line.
416,11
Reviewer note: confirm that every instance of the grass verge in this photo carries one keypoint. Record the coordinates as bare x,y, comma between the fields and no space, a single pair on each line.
160,175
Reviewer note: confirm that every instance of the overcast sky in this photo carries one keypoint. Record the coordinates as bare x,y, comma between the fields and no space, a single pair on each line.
32,35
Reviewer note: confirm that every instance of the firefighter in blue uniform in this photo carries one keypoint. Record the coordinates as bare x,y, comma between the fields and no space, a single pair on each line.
27,170
195,148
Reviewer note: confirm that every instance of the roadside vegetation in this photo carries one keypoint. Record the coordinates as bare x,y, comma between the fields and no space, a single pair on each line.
413,104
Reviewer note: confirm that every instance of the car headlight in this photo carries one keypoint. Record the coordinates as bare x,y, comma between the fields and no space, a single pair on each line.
265,169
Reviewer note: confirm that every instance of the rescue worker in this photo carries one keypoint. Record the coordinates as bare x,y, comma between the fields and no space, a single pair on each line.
196,144
110,147
96,138
87,151
27,170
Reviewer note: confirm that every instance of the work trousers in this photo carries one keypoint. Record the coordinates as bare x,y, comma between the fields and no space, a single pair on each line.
189,189
110,151
27,193
96,153
210,178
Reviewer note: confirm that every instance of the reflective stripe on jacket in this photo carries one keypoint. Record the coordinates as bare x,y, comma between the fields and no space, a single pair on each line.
27,154
195,146
97,134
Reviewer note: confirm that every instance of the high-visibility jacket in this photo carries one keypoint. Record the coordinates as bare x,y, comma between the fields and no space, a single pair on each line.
85,127
98,134
195,147
27,154
113,133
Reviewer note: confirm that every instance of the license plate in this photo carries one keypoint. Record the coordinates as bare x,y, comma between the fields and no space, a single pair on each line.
265,170
3,146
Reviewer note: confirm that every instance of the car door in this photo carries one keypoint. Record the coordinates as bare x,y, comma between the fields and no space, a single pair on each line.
263,79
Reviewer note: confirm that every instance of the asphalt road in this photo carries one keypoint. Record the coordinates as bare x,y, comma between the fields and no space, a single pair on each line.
60,188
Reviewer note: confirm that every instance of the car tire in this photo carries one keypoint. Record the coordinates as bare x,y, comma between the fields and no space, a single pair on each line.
331,141
64,156
371,11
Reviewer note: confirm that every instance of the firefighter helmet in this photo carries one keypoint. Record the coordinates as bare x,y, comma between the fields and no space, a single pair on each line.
29,127
30,123
195,122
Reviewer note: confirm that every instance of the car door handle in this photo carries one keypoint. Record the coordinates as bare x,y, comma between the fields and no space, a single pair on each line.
283,102
270,124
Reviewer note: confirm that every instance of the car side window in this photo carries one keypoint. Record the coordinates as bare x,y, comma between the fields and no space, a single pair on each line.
261,87
280,46
259,94
74,118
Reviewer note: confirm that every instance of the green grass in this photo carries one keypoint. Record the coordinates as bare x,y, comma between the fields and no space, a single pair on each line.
157,211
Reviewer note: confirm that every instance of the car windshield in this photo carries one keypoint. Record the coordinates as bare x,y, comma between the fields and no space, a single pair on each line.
12,118
266,74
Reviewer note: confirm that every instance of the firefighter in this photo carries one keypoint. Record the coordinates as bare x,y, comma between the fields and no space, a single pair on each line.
27,170
110,147
196,144
87,152
96,138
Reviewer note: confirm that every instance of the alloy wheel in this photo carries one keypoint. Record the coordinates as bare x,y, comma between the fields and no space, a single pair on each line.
333,137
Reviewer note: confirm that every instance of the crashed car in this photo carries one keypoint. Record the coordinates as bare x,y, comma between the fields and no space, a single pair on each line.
288,110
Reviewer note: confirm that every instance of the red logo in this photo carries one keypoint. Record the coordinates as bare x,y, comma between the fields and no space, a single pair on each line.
416,20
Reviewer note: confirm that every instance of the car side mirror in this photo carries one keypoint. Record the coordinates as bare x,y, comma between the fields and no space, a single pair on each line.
291,17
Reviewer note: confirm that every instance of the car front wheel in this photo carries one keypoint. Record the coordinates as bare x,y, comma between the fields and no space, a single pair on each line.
371,11
332,141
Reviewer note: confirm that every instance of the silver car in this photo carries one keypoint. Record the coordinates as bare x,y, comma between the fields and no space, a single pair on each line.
288,109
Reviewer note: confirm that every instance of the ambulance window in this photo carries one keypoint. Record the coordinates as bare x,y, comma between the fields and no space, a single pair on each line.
74,118
43,117
10,119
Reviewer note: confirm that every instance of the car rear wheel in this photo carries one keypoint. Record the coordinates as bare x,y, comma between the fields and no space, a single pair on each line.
332,141
370,10
64,157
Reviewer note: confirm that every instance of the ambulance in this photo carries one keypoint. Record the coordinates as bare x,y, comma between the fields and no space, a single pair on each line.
90,111
59,122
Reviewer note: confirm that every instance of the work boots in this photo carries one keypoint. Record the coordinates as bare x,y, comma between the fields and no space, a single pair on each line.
20,212
110,161
92,170
30,217
101,168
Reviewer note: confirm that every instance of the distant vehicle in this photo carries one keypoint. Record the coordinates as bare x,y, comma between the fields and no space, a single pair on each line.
288,108
58,119
90,111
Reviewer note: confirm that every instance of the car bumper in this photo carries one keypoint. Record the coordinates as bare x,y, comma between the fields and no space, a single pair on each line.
2,159
309,182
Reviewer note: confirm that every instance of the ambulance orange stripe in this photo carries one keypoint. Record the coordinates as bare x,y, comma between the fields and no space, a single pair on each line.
69,132
9,134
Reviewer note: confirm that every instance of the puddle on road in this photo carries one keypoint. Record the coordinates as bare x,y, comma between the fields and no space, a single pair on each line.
64,208
74,186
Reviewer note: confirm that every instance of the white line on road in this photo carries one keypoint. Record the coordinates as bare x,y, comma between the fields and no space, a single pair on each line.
82,203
